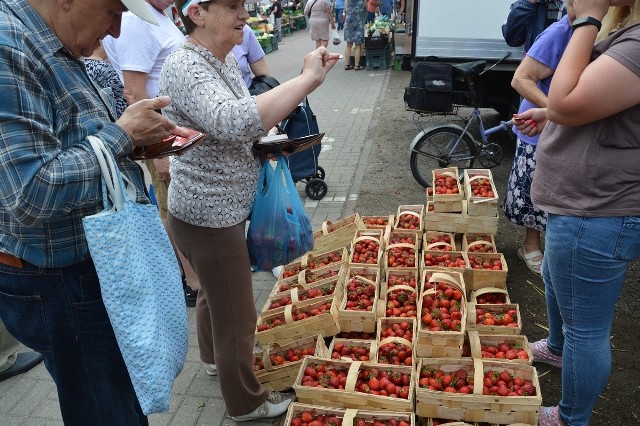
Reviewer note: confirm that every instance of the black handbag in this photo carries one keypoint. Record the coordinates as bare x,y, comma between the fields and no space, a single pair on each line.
430,87
261,84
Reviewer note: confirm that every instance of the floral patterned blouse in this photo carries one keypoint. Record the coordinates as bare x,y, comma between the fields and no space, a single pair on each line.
214,184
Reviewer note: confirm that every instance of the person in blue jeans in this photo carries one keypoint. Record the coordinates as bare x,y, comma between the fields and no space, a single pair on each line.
338,9
588,181
50,297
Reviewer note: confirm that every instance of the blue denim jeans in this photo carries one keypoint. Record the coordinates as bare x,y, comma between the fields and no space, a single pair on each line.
585,264
59,312
339,22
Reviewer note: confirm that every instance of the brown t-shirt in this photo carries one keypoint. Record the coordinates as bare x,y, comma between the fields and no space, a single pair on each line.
594,170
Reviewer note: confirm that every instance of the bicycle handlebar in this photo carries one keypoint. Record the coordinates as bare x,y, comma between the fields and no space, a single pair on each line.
506,55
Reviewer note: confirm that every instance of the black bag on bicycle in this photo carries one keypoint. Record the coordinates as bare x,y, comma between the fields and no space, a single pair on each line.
430,88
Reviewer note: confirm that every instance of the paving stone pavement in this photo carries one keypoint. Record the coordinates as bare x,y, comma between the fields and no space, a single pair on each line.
346,106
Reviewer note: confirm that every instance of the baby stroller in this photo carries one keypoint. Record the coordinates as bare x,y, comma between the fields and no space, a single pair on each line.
301,122
304,164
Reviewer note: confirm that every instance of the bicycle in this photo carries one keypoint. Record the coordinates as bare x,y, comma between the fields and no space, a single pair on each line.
449,145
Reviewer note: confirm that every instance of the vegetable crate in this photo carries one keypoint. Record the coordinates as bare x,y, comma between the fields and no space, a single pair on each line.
476,407
481,192
379,42
437,339
320,317
447,191
460,223
379,58
334,235
277,367
349,416
517,343
354,394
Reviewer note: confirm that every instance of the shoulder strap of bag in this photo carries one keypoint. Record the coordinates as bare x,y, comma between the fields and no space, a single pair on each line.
111,176
215,68
311,7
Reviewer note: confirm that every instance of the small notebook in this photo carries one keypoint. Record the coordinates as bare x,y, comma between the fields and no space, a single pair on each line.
273,144
173,145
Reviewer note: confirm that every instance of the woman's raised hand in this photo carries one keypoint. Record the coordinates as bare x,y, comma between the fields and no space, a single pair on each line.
317,63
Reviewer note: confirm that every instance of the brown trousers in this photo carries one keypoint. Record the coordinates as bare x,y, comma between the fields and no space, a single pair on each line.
225,306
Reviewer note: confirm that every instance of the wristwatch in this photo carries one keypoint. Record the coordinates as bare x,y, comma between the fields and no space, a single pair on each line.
586,20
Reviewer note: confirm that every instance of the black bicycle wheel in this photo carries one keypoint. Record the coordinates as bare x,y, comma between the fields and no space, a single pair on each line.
438,149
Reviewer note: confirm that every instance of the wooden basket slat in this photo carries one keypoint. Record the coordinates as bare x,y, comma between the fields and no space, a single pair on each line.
460,223
480,278
492,329
336,234
477,339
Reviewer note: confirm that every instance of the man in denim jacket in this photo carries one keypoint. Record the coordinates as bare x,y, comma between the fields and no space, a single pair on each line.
528,18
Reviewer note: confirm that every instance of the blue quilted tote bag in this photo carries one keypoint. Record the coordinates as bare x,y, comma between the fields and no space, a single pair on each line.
141,285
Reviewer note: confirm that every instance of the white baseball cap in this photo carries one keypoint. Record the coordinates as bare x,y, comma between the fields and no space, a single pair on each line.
140,8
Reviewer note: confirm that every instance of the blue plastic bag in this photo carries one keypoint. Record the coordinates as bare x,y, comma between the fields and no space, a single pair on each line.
280,230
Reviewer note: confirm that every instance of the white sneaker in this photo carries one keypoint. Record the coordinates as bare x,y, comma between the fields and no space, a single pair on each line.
212,370
275,405
277,271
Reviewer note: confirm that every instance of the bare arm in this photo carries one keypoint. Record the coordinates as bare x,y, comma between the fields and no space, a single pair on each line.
259,67
135,85
526,78
582,91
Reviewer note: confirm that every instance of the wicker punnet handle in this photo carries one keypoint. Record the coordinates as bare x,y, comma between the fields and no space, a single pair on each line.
480,242
440,277
438,244
352,376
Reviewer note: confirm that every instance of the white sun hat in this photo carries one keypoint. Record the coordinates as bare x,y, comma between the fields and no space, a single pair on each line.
140,8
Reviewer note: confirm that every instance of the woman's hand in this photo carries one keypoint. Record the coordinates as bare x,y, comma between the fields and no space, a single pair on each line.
531,122
316,65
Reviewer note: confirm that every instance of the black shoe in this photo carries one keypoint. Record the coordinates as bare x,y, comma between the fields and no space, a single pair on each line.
25,361
190,296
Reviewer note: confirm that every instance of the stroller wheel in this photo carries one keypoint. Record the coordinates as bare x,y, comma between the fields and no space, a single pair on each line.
316,189
320,173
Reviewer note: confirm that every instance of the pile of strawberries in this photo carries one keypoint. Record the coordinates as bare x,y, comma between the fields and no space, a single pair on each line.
492,298
355,352
395,353
376,221
444,259
324,376
445,184
458,381
481,188
397,279
401,257
384,383
505,384
440,238
504,350
480,248
305,294
442,310
507,318
477,262
366,251
401,303
408,221
319,262
308,418
398,329
311,277
291,355
360,295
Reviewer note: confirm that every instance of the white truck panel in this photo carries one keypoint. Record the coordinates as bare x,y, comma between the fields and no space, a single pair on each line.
462,29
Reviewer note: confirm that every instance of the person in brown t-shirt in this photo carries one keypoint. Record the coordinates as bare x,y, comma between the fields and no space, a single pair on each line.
588,181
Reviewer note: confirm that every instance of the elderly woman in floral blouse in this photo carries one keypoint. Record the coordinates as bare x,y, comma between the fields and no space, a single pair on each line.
213,186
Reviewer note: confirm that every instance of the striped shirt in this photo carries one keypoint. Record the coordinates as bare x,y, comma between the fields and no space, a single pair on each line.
49,176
